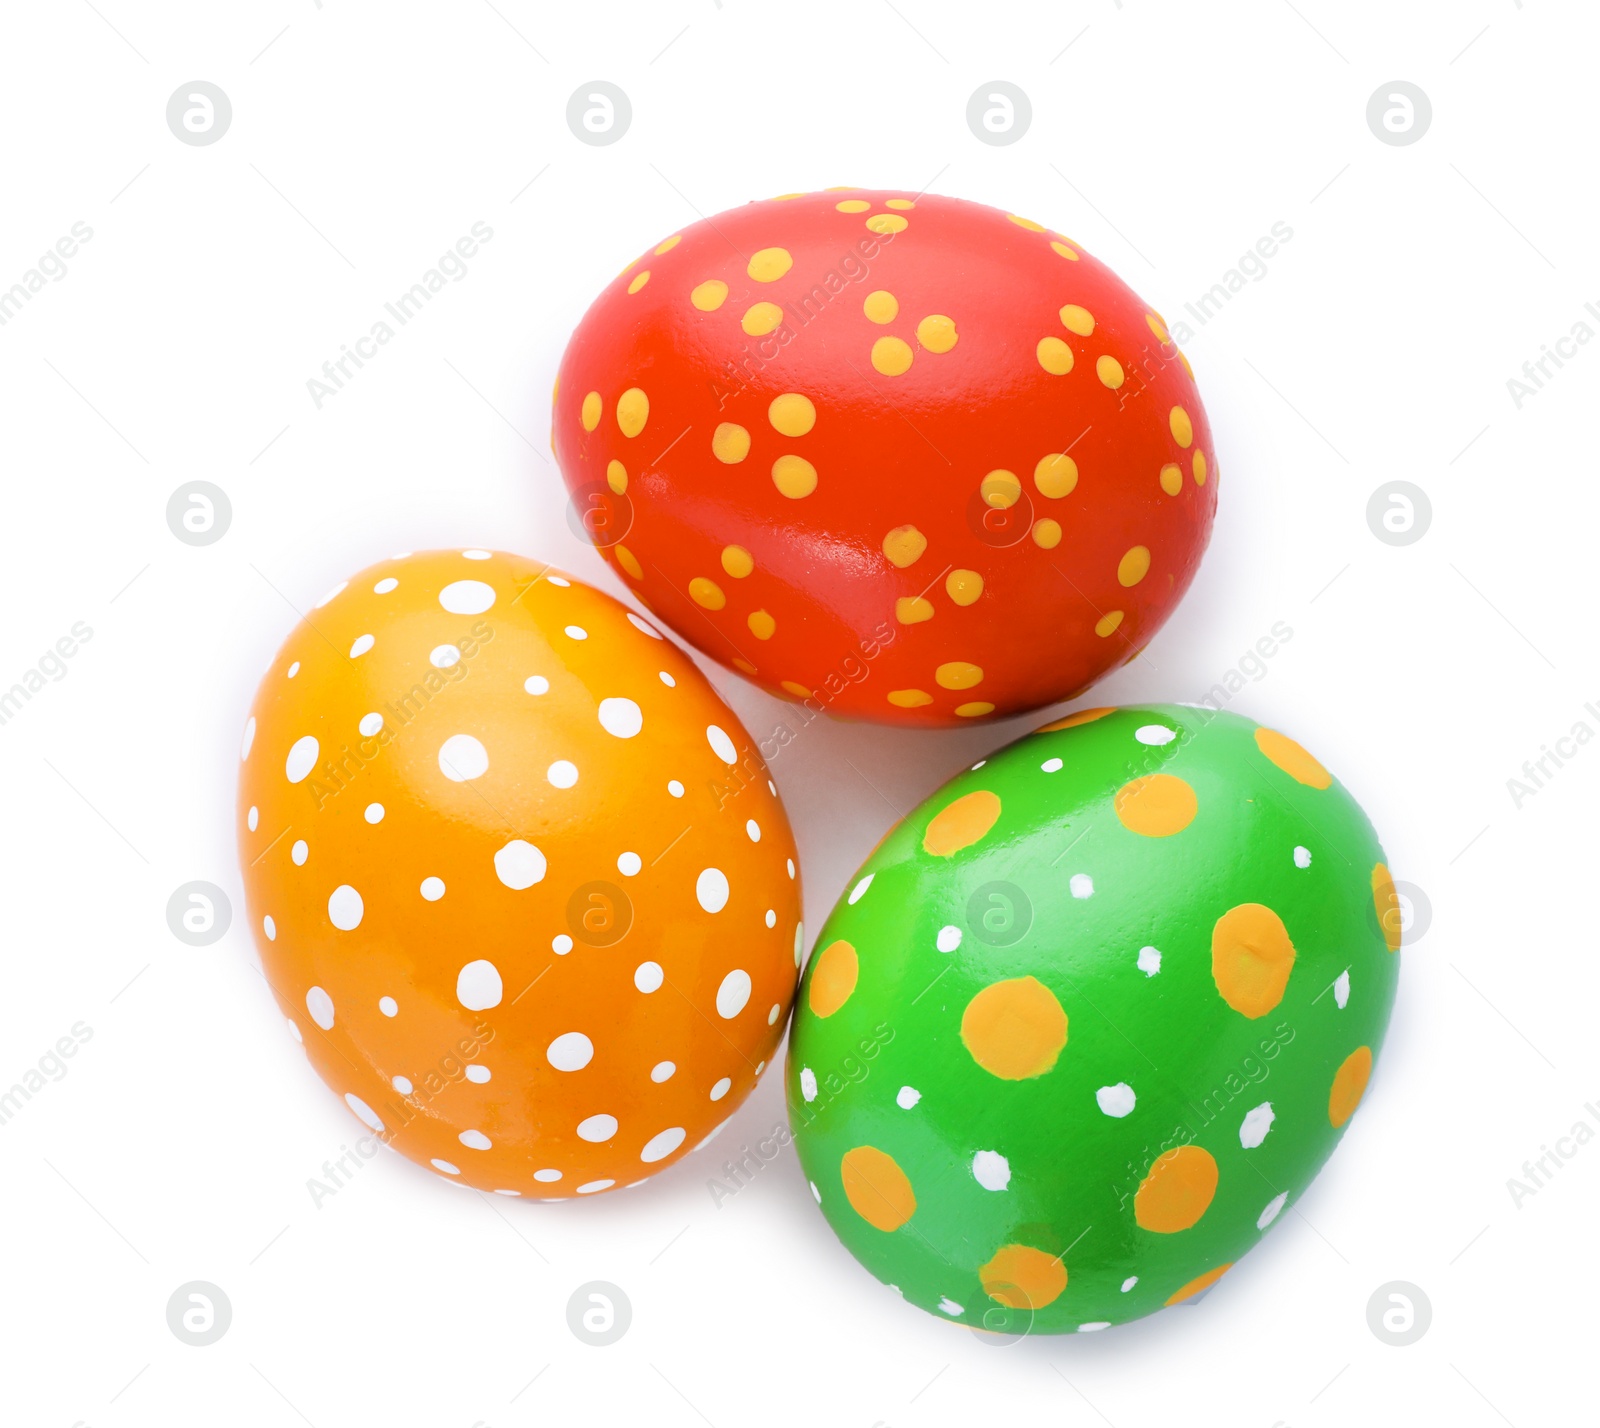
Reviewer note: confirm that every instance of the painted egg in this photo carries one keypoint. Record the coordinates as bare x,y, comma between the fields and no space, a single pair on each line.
1092,1017
908,458
517,875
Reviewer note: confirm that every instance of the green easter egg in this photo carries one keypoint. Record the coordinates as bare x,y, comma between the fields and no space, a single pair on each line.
1091,1016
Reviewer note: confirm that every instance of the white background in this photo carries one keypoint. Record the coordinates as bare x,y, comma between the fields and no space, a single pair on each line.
1167,138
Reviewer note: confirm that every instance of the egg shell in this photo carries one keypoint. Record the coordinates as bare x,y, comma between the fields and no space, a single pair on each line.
518,877
1092,1016
907,457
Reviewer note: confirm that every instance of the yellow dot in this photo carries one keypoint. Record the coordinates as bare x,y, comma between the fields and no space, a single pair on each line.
710,295
975,709
958,674
1022,1277
1386,902
904,546
761,624
1027,223
633,411
1171,479
555,389
761,318
669,244
852,205
792,414
963,586
1106,624
891,356
745,667
1015,1029
833,977
1292,759
798,690
937,332
1349,1085
887,223
881,306
629,562
1182,427
617,476
794,476
1000,489
1134,565
590,413
877,1188
1199,468
1177,1191
1047,534
1077,319
1158,327
912,610
898,203
909,698
730,443
1156,806
770,264
1077,717
1194,1286
1065,251
1055,475
1251,958
1109,371
737,561
961,822
707,593
639,281
1054,356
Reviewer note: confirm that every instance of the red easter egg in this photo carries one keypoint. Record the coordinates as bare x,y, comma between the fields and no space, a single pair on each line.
908,458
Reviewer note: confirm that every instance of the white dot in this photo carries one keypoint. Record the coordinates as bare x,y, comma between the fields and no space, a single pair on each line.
270,928
370,724
790,863
1051,766
1270,1214
302,758
576,632
949,1306
374,813
561,944
253,818
711,889
293,669
673,787
562,773
508,1192
445,1166
859,890
559,580
1149,960
519,864
572,1051
462,757
388,1006
546,1177
432,889
799,941
384,586
444,656
598,1129
907,1097
1094,1327
808,1083
662,1071
1116,1100
1155,734
645,626
294,1030
659,1147
753,830
721,1089
816,1194
648,976
628,864
536,684
1302,857
478,985
1129,1282
403,1085
467,597
667,679
249,737
948,940
595,1186
329,596
1257,1122
721,745
991,1170
1081,885
345,908
300,852
771,918
361,646
320,1005
772,1020
979,765
474,1140
621,717
733,994
362,1109
478,1074
1341,989
476,555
